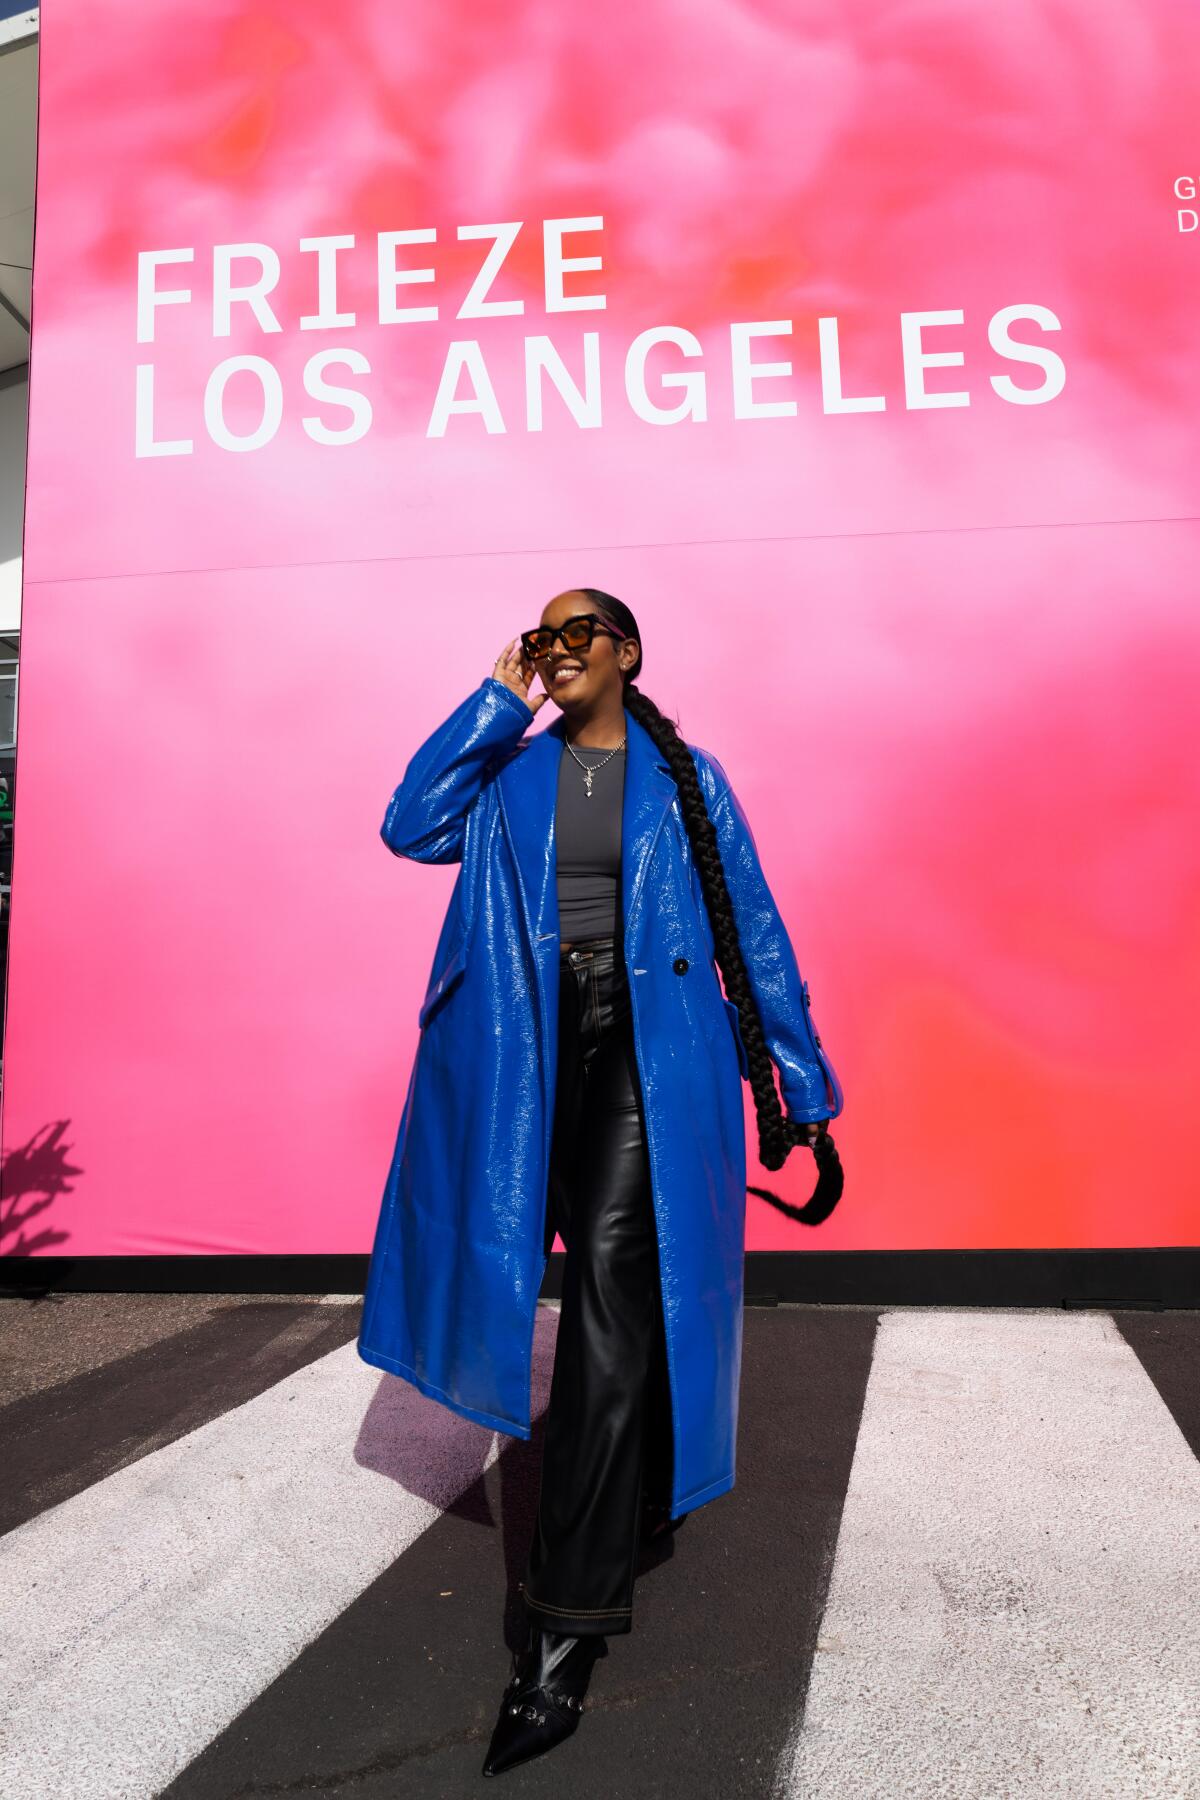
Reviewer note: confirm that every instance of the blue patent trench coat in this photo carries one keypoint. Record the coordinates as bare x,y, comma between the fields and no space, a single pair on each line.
459,1251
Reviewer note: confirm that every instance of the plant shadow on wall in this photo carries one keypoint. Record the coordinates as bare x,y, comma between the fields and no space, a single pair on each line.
448,1461
32,1177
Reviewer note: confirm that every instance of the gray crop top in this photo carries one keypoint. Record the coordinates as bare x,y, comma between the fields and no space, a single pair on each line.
588,834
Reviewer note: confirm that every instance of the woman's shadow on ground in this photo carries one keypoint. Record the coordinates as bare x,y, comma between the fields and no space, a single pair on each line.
470,1471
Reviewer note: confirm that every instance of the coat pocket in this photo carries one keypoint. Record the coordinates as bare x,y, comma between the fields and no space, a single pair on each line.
731,1013
445,979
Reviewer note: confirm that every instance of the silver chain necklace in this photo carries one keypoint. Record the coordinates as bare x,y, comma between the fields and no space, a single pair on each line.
589,769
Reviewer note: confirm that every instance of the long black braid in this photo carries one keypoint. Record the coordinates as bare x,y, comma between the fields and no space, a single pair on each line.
778,1135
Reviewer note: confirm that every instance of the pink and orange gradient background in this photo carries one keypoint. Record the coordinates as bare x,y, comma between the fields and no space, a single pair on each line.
950,658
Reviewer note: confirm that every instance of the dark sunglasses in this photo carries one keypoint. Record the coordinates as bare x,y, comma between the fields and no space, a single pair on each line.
576,634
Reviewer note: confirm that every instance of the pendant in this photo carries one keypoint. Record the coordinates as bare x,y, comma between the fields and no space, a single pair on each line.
588,780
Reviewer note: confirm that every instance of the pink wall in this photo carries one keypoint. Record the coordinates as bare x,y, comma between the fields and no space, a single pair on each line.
949,654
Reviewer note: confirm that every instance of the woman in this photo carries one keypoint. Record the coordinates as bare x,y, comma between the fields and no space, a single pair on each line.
578,1071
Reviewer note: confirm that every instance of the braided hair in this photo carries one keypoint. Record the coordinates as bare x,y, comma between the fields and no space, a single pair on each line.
778,1135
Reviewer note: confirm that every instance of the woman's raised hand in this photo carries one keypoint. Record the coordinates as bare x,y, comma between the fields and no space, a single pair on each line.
515,670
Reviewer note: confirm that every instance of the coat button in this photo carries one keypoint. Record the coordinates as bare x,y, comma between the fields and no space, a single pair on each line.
680,965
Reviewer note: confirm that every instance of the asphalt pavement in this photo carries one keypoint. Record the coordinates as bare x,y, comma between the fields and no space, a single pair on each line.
962,1559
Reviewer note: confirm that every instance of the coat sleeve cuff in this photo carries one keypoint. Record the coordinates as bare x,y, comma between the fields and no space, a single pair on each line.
501,687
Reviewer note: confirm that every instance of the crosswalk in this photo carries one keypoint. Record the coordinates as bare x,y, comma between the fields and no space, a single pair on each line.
962,1559
1015,1603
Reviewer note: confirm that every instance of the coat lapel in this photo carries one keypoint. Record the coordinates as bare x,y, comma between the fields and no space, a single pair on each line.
528,789
649,791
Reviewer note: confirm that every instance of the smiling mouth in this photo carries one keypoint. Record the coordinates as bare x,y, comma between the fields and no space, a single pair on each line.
565,674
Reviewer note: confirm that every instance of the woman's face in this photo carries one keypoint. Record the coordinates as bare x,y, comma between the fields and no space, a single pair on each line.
588,676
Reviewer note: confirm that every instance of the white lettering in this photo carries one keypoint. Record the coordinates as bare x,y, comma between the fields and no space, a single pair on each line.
356,404
541,358
1047,360
143,427
214,403
475,306
556,265
327,314
832,398
252,293
917,359
147,297
465,354
694,403
390,277
744,371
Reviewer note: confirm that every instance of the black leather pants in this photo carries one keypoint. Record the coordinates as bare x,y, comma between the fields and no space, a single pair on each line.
608,1433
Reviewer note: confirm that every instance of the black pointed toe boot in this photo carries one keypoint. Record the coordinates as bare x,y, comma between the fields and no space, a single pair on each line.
544,1697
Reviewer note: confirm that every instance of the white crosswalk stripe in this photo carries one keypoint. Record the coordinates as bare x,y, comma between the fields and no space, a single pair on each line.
144,1613
1014,1607
1008,1607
